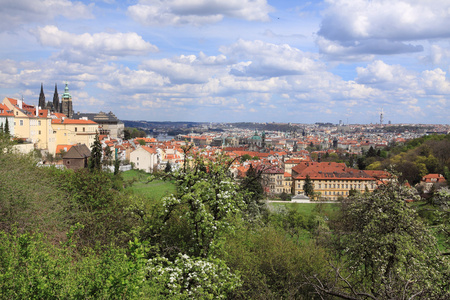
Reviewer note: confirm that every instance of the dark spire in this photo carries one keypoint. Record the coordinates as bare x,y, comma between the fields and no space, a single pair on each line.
42,97
56,100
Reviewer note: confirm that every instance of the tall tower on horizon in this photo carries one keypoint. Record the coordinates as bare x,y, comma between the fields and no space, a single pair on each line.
381,117
66,103
56,100
41,102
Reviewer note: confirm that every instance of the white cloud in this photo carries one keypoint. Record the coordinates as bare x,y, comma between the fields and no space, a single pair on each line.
97,44
187,68
383,26
197,12
386,76
269,60
19,12
435,82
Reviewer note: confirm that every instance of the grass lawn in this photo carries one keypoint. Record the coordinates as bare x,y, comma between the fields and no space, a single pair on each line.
154,190
327,209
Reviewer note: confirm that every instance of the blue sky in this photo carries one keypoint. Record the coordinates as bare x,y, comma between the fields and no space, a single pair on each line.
234,60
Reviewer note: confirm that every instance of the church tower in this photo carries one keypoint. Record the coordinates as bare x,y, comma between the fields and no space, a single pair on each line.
56,100
66,103
42,98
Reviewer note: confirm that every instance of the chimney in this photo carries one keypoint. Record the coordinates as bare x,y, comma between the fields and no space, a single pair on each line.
19,103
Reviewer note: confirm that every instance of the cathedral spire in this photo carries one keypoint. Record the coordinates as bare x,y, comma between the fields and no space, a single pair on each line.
42,97
56,100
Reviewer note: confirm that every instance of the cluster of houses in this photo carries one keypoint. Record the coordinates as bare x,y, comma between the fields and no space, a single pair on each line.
284,163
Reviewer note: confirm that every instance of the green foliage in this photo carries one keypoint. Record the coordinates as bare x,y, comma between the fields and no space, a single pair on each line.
116,166
271,265
308,187
32,268
206,201
384,250
253,192
192,278
97,204
95,161
168,168
29,197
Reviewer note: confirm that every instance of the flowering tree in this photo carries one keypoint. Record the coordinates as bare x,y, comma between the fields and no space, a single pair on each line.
192,278
384,251
205,204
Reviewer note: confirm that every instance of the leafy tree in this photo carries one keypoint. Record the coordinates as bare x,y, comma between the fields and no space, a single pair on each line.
384,251
168,167
116,166
371,152
253,190
6,129
308,187
108,155
245,157
95,161
361,163
206,201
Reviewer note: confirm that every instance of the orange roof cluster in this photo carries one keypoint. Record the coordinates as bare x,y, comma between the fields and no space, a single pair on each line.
72,121
5,111
434,178
328,171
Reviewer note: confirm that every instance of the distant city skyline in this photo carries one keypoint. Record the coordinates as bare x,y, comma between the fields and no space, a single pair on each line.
232,61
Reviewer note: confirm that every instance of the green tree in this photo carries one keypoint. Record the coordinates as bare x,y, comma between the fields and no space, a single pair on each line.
371,153
168,167
6,129
95,161
384,251
253,191
207,199
116,166
308,187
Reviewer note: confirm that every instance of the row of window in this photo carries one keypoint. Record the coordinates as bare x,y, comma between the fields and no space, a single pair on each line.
339,186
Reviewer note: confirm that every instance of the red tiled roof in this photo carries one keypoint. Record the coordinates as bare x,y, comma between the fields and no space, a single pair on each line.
72,121
64,148
328,171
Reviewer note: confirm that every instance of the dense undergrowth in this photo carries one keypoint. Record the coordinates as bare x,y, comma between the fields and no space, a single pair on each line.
82,235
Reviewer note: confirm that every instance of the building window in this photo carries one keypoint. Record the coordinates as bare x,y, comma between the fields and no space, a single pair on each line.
137,158
76,129
21,122
39,123
39,132
84,129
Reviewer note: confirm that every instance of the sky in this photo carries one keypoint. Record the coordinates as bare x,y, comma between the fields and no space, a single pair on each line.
233,60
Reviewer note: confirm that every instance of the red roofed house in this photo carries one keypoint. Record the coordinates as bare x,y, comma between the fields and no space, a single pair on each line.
145,158
332,180
273,179
70,132
7,114
429,180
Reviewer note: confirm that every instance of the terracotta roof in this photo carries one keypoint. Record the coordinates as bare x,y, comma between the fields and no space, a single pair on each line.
5,111
328,171
149,150
64,148
436,178
72,121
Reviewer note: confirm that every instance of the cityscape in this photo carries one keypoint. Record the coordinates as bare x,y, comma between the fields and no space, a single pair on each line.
238,149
